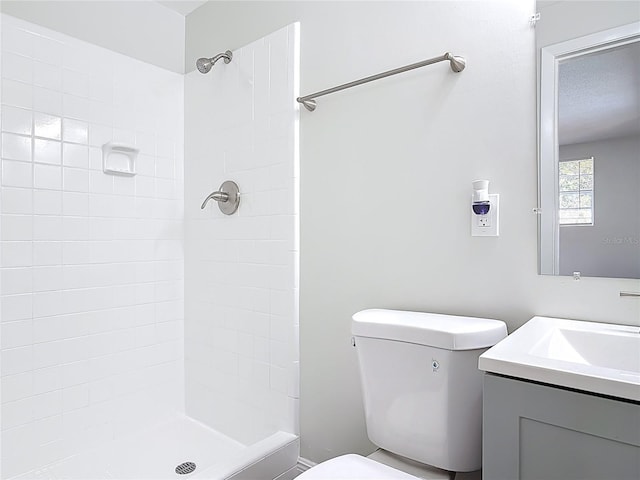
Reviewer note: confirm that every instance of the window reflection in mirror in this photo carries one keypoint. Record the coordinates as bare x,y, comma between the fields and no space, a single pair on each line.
589,149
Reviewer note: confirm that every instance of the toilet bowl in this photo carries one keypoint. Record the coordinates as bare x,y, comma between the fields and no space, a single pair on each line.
422,394
351,466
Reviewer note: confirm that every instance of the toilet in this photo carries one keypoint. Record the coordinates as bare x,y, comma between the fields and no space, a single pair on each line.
422,393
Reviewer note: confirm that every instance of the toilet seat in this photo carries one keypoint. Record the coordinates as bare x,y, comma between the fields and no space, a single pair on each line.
353,467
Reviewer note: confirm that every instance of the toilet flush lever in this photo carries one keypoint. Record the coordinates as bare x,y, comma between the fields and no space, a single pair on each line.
228,198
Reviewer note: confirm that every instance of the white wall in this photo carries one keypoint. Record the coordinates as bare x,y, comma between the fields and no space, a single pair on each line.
566,19
91,264
386,172
141,29
611,247
241,271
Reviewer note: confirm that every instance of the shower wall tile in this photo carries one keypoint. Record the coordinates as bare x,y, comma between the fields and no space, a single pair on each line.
16,120
91,265
241,311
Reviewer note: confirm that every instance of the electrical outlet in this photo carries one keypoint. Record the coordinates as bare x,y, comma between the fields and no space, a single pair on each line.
487,225
483,221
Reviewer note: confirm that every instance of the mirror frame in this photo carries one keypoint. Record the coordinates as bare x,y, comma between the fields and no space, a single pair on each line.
548,151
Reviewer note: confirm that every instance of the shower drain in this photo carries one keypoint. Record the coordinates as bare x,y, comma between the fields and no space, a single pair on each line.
186,467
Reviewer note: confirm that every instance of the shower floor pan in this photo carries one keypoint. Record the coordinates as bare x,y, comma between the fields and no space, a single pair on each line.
155,454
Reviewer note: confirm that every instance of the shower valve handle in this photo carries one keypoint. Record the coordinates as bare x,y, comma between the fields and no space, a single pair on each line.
228,198
217,196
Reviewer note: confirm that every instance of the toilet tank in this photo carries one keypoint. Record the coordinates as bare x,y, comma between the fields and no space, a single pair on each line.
421,385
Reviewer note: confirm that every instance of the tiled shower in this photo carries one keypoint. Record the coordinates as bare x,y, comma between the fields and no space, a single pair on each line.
92,264
241,283
96,340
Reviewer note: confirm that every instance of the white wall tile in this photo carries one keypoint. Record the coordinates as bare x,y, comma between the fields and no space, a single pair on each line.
75,155
16,387
47,101
17,281
16,200
47,202
17,67
75,228
77,108
17,360
17,94
16,227
17,174
47,278
17,40
17,413
16,307
46,304
99,135
17,120
47,227
75,83
47,151
47,176
78,56
146,165
74,203
47,76
47,253
75,180
16,147
17,254
124,185
75,397
47,379
75,131
16,334
79,248
100,183
47,404
101,113
47,126
47,50
100,88
144,187
49,429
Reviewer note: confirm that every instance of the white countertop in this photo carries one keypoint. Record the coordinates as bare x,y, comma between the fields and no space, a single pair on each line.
594,357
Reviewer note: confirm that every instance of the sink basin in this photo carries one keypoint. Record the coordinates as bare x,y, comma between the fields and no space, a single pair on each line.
595,357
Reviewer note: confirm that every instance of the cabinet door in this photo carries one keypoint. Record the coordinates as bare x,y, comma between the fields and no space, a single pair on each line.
536,432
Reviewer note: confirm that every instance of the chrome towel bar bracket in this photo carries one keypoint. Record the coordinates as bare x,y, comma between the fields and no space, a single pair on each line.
228,198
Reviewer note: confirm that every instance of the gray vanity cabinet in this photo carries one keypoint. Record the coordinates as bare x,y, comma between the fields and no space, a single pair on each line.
533,431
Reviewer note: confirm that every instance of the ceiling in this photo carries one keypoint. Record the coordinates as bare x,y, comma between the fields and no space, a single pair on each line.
183,7
599,95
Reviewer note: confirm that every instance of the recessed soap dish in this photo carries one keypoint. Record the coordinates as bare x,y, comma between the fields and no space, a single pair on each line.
119,159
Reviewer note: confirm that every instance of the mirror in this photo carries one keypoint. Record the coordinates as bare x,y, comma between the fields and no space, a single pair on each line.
589,139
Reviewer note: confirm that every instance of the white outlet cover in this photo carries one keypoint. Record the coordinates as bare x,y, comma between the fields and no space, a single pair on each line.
492,230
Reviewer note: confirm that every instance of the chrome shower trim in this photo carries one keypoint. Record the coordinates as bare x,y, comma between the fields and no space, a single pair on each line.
204,64
228,198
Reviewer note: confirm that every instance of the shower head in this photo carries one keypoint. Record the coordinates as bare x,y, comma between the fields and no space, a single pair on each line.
205,64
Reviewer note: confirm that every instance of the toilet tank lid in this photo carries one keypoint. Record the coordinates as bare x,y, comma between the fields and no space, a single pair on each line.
450,332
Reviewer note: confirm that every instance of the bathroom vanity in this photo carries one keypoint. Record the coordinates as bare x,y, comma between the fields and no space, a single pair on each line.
562,401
